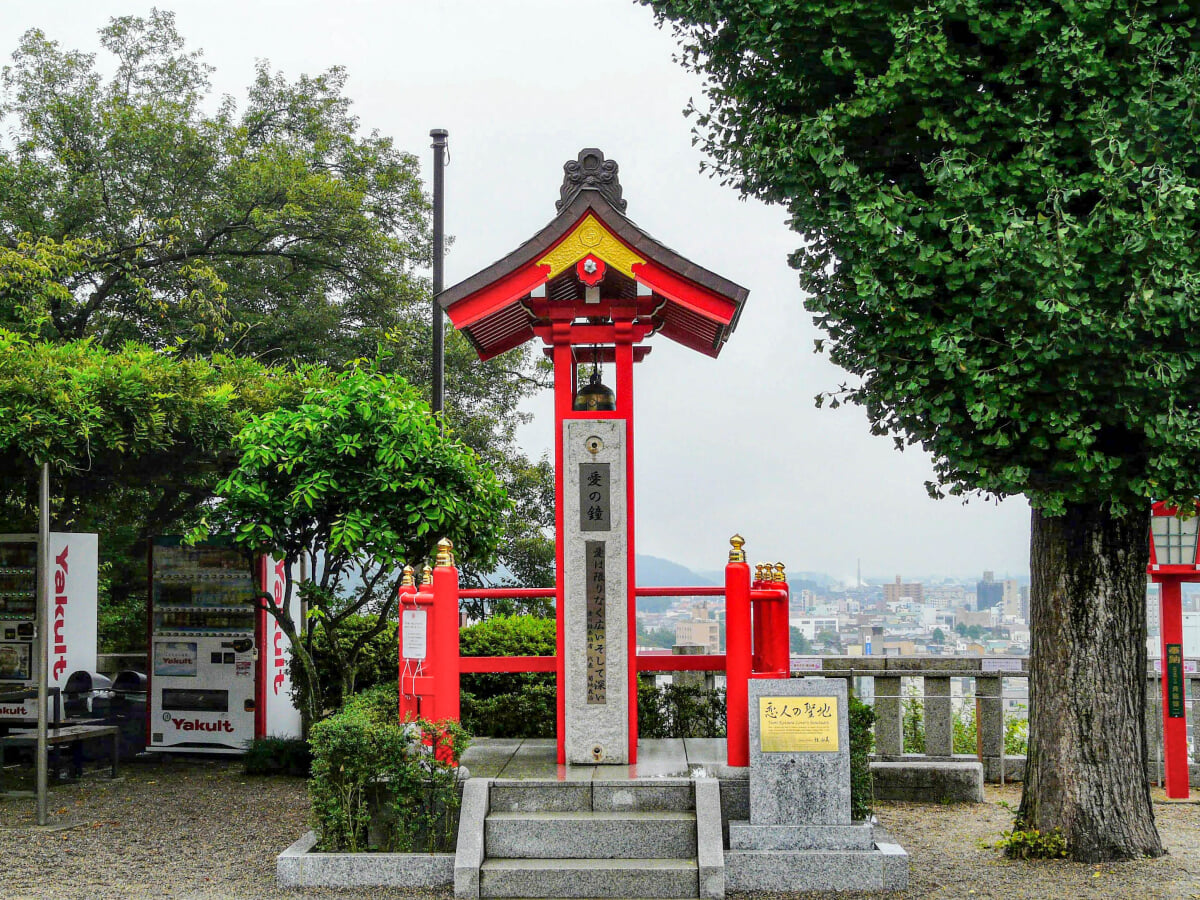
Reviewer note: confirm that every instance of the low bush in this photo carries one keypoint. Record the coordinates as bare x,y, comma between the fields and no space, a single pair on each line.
380,784
862,744
679,711
278,756
1033,844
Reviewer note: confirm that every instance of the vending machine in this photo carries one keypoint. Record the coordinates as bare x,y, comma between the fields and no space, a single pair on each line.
218,661
71,590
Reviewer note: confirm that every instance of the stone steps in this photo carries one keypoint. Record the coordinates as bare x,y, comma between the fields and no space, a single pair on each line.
525,878
601,835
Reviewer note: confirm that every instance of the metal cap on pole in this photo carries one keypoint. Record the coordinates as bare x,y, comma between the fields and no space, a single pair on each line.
439,136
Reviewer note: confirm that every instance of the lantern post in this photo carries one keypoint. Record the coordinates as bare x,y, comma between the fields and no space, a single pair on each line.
1172,562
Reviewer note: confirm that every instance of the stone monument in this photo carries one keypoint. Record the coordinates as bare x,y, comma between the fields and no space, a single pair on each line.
800,835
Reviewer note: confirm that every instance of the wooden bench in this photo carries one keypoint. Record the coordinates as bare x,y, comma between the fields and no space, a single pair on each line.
72,736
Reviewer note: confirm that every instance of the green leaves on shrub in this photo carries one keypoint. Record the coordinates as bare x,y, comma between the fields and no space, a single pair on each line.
379,784
862,742
1033,844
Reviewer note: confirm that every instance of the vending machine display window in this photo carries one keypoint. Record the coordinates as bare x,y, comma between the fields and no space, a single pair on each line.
16,661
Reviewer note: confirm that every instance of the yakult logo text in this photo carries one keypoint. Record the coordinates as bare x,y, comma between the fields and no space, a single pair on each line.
197,725
60,614
277,640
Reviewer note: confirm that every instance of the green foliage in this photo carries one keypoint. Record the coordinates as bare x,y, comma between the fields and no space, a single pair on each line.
528,711
913,721
277,229
358,479
517,704
999,206
799,643
363,757
1033,844
862,744
938,636
375,663
278,756
679,711
966,729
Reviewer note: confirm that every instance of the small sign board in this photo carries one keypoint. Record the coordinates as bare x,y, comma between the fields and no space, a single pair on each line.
1190,667
1175,704
798,724
1000,664
595,500
176,658
413,634
806,664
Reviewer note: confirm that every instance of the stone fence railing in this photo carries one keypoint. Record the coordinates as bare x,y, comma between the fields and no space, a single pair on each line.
996,680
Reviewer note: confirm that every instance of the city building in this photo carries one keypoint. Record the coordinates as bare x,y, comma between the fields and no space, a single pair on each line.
989,592
901,590
700,629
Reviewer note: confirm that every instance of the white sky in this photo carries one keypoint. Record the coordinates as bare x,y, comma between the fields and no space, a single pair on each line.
726,445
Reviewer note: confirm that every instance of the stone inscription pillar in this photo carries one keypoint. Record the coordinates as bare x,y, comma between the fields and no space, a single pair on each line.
596,591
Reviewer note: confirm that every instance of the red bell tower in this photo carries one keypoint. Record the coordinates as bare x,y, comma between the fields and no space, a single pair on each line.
594,288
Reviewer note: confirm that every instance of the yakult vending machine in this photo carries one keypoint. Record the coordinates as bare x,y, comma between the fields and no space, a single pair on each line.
219,674
71,588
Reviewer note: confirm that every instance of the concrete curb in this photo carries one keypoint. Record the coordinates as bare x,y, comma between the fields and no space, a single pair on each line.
710,850
297,866
472,817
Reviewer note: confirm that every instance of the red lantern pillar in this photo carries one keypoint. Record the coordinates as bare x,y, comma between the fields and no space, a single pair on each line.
1175,750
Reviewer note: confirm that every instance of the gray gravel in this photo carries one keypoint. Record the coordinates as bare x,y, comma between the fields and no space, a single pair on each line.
198,828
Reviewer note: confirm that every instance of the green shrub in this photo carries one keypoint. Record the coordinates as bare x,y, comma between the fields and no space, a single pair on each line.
862,743
531,711
510,704
377,663
1033,844
679,711
913,720
364,757
278,756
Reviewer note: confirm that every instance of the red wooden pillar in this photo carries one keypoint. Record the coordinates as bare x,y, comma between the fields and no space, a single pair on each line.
564,392
737,656
623,352
1174,695
781,645
444,636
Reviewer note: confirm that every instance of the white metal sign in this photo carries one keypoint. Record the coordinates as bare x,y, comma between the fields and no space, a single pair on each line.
413,634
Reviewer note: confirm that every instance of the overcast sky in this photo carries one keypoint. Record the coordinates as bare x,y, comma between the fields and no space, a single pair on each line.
733,444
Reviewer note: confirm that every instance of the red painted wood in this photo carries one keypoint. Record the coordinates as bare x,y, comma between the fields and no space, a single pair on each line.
496,296
669,662
564,379
1174,729
509,664
686,293
737,663
624,356
706,591
505,593
444,649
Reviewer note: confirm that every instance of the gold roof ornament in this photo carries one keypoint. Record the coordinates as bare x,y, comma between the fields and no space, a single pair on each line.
427,575
736,553
779,575
758,572
445,553
407,580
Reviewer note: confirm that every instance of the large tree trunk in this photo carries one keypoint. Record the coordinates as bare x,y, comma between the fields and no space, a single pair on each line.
1085,774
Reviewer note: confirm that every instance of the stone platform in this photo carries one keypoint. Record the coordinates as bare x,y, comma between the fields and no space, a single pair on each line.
533,828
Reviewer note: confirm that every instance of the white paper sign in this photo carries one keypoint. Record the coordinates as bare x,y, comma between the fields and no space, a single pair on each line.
412,634
806,664
1190,666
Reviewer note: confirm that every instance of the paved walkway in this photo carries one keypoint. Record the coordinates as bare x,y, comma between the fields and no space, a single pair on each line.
535,759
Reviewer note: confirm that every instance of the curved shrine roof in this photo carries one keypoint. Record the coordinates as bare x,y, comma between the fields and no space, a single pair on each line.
592,238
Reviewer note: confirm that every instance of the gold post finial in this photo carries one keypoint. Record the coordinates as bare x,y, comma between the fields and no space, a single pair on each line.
407,580
736,553
427,575
445,554
779,576
758,572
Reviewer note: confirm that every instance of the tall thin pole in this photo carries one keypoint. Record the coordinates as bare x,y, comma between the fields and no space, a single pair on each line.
43,631
439,136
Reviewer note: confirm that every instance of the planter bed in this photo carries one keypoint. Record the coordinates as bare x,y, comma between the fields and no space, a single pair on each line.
299,866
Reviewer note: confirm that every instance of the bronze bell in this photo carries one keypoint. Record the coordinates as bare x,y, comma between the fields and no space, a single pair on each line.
595,397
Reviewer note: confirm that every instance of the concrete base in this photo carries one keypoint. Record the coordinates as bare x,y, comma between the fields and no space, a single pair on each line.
297,866
744,836
929,782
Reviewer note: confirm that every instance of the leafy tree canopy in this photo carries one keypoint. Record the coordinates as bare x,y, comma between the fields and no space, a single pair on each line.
273,228
999,206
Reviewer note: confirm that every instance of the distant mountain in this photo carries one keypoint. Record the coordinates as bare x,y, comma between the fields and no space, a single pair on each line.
814,579
655,572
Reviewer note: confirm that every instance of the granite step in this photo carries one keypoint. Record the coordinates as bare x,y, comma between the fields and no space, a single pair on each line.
599,835
574,878
601,796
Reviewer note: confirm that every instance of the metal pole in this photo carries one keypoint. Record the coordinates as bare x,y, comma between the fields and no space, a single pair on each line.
42,608
439,136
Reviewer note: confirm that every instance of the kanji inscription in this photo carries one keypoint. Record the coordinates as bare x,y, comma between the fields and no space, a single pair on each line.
597,650
595,506
798,724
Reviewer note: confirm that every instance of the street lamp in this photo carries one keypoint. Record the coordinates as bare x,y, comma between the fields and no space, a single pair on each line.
1173,541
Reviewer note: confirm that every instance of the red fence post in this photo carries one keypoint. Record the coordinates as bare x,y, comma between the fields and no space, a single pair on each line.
409,708
737,654
1174,681
444,634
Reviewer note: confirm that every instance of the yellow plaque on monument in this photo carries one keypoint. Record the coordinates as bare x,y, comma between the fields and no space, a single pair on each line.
798,724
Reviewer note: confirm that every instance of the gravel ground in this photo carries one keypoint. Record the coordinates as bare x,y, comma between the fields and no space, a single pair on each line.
198,828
